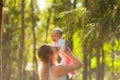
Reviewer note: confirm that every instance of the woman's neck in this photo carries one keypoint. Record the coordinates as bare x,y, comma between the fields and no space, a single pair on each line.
54,60
45,65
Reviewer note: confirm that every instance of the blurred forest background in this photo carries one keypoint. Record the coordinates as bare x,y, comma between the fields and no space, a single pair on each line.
91,29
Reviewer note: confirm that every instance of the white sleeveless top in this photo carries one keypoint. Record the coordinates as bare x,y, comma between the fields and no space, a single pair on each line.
52,77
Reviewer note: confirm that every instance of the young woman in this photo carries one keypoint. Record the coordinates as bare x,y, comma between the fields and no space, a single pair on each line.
50,69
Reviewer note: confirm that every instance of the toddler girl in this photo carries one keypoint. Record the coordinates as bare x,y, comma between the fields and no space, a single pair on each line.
59,43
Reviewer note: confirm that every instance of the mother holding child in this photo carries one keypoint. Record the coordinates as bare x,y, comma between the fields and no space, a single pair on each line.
50,69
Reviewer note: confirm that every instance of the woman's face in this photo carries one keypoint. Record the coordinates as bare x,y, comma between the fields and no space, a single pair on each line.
55,53
55,50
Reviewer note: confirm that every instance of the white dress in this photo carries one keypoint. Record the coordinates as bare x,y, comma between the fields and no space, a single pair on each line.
52,77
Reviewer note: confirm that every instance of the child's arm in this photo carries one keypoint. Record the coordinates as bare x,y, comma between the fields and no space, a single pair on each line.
68,50
61,45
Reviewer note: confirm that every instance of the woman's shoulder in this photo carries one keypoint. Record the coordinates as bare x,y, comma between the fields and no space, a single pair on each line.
52,68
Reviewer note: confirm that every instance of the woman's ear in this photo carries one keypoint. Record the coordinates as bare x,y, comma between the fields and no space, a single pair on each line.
55,49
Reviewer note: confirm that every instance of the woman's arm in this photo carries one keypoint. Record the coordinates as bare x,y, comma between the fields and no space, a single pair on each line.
59,70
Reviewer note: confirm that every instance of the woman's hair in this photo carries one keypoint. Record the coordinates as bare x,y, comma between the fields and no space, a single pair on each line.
44,52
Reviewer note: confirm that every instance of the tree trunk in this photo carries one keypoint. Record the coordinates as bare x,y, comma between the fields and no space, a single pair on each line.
74,4
0,68
6,51
48,23
0,22
69,41
0,39
21,49
103,65
87,4
113,66
90,69
34,36
68,5
85,61
98,71
100,65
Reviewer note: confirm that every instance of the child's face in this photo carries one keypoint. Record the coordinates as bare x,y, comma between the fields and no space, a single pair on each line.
55,36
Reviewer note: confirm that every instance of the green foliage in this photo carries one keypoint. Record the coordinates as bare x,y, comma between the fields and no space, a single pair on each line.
117,46
98,26
93,61
107,48
72,21
95,28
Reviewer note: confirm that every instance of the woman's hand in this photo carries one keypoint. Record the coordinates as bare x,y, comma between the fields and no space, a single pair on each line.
68,51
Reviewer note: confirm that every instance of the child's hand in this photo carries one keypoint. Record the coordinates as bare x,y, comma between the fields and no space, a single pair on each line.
68,51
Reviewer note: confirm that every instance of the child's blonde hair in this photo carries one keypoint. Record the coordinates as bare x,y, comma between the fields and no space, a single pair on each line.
58,30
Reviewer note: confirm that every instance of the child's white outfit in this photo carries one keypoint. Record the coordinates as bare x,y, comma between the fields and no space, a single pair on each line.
65,60
60,44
